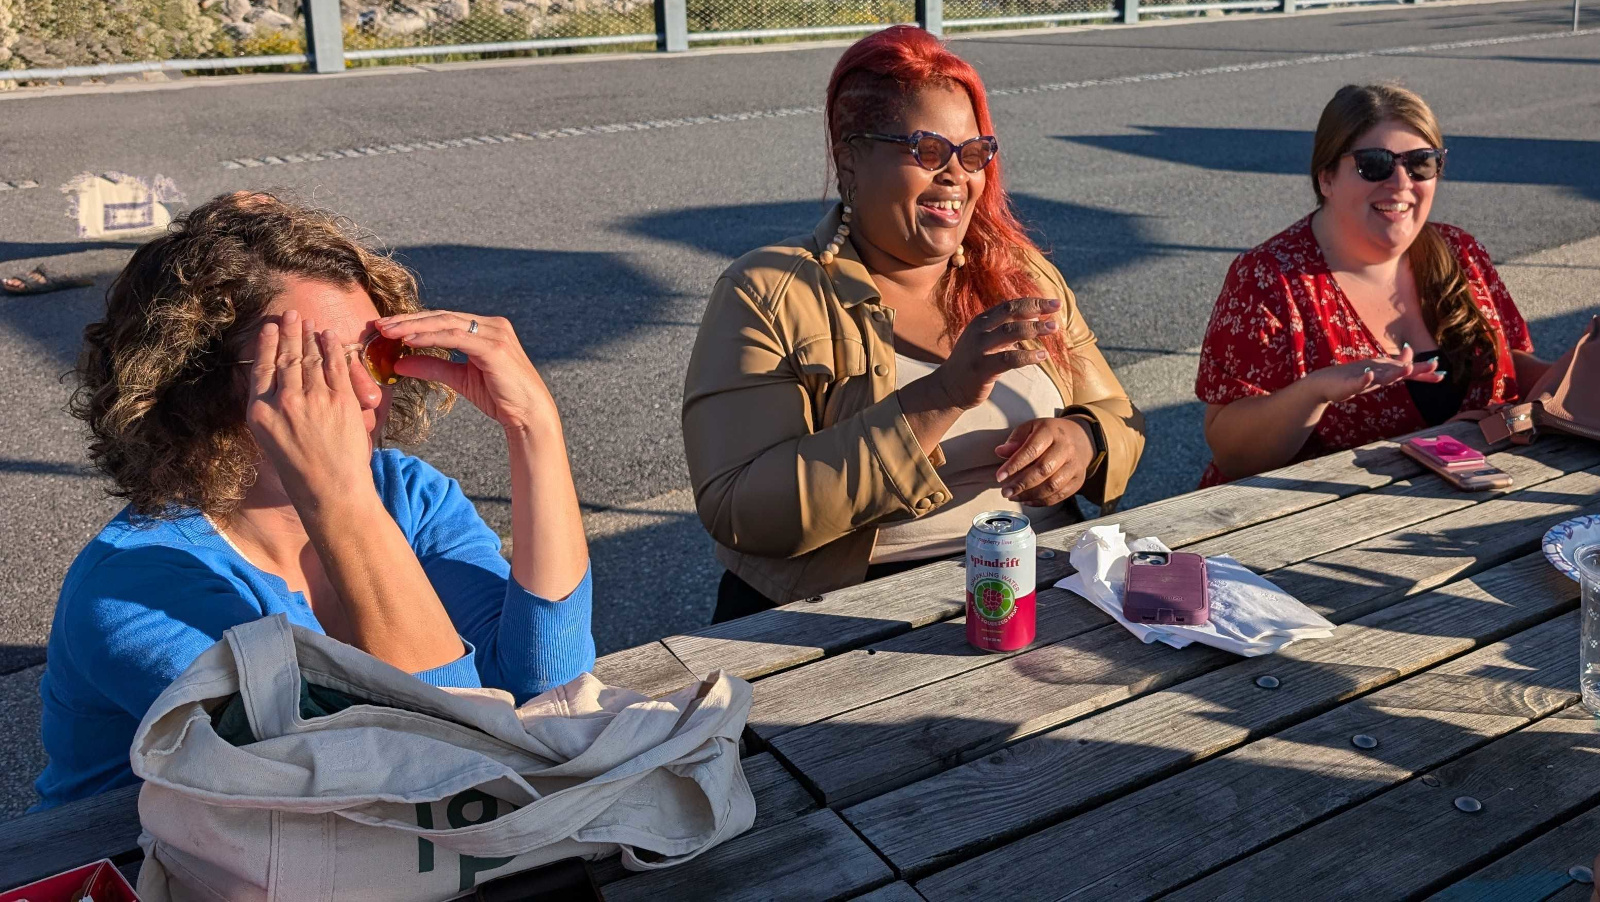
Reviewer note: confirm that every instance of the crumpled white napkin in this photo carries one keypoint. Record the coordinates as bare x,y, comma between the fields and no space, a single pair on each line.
1249,616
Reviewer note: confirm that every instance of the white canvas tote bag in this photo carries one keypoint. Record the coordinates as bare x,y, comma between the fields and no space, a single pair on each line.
424,792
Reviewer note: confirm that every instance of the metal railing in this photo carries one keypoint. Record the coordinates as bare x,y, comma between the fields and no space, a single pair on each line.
70,39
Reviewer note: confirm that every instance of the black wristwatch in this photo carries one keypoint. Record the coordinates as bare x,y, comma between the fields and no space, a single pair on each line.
1097,436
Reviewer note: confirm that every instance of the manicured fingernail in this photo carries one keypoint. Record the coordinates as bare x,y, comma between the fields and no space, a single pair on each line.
1051,325
1404,345
1439,372
1367,370
1040,355
1052,303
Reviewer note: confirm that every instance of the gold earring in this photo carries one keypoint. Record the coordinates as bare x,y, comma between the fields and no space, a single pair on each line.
959,258
832,251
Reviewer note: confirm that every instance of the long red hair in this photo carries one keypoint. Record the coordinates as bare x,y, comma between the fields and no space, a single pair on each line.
873,81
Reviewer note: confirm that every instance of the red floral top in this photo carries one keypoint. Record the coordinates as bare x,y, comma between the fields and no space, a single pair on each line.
1281,315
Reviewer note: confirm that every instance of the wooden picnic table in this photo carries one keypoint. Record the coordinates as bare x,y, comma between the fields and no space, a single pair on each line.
892,762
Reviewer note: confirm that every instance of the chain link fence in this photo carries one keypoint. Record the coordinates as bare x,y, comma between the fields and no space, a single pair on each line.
47,40
758,20
982,13
377,31
53,35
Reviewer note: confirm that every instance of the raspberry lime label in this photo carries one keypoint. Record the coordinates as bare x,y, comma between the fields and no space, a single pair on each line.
1000,582
994,599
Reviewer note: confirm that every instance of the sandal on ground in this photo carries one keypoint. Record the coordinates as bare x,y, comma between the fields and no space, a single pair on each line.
39,281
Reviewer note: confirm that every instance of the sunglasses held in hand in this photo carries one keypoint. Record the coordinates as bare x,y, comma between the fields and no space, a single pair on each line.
1376,164
378,353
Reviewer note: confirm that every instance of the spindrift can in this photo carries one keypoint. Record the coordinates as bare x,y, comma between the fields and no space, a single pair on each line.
1000,576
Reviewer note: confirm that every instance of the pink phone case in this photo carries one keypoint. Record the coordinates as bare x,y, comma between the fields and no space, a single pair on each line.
1469,471
1449,452
1166,588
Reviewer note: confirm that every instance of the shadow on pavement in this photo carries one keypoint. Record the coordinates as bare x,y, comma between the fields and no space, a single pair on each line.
1506,161
1082,241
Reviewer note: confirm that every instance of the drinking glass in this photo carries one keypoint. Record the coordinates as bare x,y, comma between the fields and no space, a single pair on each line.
1588,560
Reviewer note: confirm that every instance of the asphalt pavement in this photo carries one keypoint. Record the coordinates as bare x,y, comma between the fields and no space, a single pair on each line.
598,198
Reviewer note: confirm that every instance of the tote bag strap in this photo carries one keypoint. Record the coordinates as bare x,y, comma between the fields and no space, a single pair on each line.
269,674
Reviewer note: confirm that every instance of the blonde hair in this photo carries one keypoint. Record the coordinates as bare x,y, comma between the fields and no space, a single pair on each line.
1468,342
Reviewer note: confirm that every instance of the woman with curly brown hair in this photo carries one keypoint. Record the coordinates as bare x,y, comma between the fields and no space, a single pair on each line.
238,393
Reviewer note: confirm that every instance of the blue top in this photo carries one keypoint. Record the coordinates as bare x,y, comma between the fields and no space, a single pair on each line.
147,596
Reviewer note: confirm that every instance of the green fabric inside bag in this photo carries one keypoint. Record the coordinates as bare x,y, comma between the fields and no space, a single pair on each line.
233,724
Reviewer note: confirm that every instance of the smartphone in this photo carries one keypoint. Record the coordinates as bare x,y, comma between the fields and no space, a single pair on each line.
1460,465
1166,587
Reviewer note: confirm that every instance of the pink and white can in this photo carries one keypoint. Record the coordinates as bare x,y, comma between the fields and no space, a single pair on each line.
1000,581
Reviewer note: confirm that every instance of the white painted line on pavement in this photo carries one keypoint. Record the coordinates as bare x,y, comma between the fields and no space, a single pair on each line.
1295,61
654,124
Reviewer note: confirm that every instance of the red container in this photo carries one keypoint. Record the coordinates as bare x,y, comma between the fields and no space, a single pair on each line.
1000,582
101,880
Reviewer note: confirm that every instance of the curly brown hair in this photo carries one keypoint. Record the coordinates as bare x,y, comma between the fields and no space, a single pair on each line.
157,384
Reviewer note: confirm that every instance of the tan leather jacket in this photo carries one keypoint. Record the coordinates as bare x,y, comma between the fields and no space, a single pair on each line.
796,444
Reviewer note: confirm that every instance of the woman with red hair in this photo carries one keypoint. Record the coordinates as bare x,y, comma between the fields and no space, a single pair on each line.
857,395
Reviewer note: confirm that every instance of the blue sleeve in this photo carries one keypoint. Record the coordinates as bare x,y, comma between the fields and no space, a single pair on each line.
520,642
142,616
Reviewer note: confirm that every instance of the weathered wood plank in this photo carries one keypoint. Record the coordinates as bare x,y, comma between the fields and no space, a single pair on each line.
1577,892
860,677
1413,838
35,846
1001,797
1432,553
779,798
1292,539
880,747
1537,871
935,652
810,859
648,668
899,891
1171,832
793,634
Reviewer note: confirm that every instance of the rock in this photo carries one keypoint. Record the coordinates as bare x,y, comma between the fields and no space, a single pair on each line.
235,10
453,10
238,31
269,20
404,23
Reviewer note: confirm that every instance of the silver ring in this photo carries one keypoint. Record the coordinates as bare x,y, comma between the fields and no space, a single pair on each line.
472,327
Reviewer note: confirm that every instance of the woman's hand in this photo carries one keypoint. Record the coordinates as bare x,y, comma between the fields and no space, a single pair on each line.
988,347
497,377
1347,380
305,416
1046,461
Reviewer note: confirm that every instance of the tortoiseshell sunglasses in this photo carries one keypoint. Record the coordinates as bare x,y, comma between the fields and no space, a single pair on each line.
933,151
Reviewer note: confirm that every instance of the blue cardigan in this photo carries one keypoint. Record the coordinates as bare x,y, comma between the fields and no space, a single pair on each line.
147,596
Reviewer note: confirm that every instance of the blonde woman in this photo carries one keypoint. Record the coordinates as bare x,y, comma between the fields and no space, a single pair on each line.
1363,320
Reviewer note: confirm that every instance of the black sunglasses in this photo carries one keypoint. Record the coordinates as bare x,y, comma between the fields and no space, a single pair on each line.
933,151
1376,164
